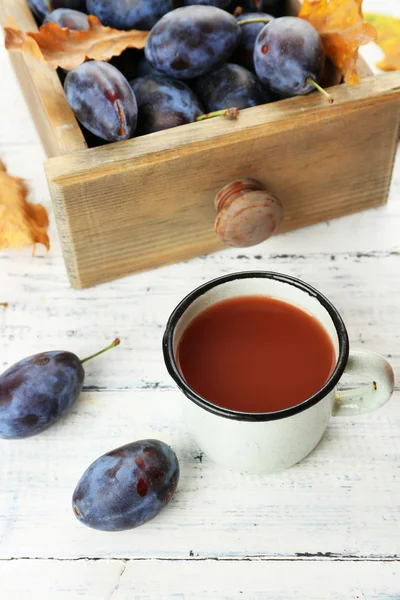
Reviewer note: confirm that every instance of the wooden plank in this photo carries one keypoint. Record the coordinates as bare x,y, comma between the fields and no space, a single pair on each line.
364,285
199,580
58,129
36,580
126,207
342,500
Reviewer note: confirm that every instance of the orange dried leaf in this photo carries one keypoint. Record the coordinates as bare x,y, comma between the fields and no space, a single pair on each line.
388,29
21,223
342,29
66,48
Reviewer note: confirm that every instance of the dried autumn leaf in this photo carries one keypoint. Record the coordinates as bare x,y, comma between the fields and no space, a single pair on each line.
342,29
21,223
67,48
388,29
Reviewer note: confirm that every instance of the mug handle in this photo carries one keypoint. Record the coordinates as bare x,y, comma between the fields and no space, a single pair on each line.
371,396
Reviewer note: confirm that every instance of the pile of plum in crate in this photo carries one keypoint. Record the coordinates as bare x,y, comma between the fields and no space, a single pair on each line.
138,170
201,59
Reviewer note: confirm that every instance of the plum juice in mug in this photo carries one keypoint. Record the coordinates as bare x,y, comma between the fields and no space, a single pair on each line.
255,354
259,356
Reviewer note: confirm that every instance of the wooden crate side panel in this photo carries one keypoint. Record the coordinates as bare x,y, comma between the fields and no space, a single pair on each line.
270,119
150,213
56,124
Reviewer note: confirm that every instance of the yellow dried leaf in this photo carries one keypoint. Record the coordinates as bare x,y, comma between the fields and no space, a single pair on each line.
21,223
67,48
342,29
388,29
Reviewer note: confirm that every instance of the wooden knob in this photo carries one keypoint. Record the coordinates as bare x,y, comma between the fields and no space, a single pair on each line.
247,213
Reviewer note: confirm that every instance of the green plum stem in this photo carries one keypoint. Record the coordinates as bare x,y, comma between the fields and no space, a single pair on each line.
255,20
320,89
115,343
230,113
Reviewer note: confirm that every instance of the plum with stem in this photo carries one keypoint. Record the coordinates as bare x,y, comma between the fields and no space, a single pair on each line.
37,391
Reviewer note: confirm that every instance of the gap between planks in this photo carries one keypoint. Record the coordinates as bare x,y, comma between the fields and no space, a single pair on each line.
299,557
162,387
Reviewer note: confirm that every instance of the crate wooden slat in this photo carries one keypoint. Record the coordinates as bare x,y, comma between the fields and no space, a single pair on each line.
148,201
44,94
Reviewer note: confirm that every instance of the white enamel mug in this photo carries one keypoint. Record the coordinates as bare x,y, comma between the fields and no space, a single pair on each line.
274,441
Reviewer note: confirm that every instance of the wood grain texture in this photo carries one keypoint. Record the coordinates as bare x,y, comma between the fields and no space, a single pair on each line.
324,504
58,129
199,580
364,285
126,207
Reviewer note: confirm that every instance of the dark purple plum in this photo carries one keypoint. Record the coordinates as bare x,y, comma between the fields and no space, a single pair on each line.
230,86
245,50
191,41
66,17
37,391
40,8
129,14
127,487
287,52
163,103
102,100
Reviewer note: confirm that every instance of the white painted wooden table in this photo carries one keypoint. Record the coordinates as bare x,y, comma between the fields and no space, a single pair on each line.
326,529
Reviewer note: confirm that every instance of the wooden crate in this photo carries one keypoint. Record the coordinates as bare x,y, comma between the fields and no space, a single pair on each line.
146,202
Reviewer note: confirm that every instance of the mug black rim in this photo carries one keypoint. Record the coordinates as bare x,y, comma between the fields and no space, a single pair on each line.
181,308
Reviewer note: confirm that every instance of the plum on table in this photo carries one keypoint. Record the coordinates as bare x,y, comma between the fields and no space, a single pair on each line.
127,487
37,391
